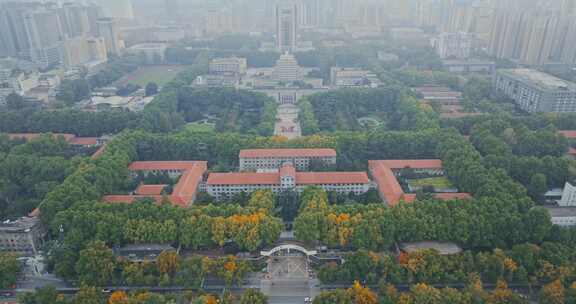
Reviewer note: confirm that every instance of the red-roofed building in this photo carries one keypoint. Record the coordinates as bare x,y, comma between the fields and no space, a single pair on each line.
265,159
382,172
69,138
568,134
191,174
221,185
150,189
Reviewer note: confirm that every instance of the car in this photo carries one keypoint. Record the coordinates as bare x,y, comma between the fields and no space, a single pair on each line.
307,300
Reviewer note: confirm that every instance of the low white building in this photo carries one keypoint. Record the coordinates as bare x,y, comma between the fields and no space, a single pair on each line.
226,185
568,196
260,159
562,216
228,66
353,77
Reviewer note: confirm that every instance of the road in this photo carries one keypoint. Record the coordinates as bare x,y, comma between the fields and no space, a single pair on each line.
287,124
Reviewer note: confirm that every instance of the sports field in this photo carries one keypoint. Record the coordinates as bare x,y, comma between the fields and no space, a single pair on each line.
160,74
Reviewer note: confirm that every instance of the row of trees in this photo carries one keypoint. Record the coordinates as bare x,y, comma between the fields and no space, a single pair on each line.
29,170
205,227
92,295
523,264
98,266
485,222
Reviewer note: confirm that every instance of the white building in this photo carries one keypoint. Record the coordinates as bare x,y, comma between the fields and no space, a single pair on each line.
454,45
262,159
225,185
562,216
535,91
568,196
232,65
353,77
287,69
154,53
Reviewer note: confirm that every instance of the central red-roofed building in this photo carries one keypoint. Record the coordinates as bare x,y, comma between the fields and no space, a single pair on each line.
190,173
223,185
387,182
266,159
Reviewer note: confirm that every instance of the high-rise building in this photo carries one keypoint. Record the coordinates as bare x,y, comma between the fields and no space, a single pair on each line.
97,49
107,30
454,45
117,9
45,35
13,34
75,19
172,8
286,26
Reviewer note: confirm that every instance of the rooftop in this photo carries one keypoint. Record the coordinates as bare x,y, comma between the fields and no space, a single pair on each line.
70,138
383,174
540,79
161,165
561,211
572,151
150,189
302,178
257,153
184,191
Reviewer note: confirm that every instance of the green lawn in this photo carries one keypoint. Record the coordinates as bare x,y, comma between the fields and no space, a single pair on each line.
160,74
437,182
200,127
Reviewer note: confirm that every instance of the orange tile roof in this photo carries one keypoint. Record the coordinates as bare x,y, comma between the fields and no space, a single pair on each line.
322,178
31,136
184,191
413,163
391,190
572,151
150,189
84,141
99,152
302,178
161,165
568,134
129,199
243,179
187,187
255,153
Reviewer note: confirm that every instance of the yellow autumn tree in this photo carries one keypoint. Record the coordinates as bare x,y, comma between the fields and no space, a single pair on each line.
553,293
118,297
168,262
361,295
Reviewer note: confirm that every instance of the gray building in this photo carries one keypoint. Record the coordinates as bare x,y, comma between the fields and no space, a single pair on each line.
23,236
535,91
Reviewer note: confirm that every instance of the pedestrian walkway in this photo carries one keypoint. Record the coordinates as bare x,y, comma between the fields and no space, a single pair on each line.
287,123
